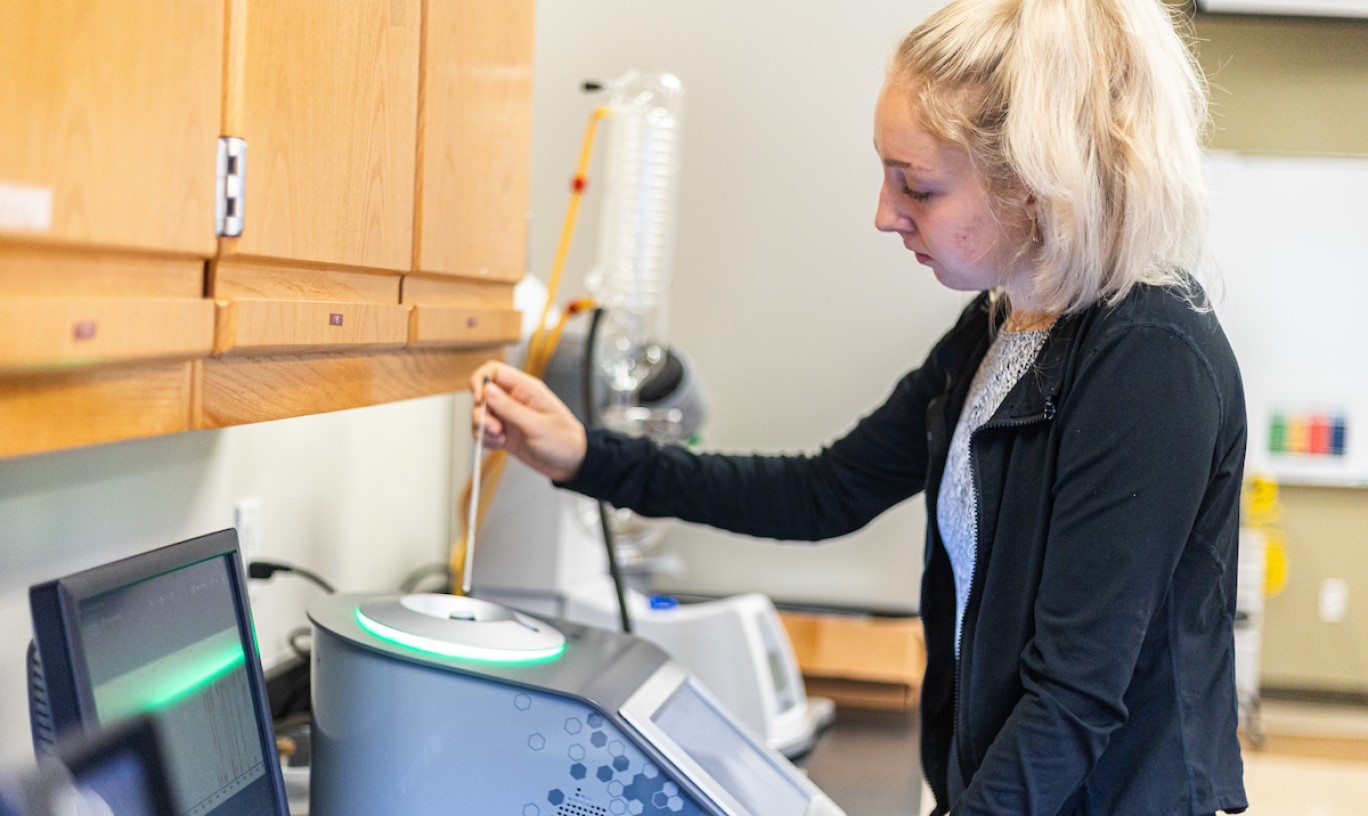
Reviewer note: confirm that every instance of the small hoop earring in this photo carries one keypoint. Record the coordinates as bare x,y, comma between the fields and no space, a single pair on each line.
1035,232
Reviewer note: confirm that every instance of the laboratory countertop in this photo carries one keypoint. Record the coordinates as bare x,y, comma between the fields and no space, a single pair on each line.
869,762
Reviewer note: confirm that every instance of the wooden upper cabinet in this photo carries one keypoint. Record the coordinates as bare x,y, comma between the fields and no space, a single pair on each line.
326,96
475,139
109,121
386,181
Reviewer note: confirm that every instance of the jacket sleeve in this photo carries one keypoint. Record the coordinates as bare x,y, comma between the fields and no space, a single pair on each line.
1137,442
879,463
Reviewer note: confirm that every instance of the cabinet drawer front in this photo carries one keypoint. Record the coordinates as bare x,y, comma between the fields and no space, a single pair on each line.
40,333
447,326
282,326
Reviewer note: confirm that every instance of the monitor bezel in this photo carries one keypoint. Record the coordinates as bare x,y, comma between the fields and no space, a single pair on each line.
55,606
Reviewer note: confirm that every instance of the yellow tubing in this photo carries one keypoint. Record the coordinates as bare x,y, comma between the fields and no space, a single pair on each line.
578,184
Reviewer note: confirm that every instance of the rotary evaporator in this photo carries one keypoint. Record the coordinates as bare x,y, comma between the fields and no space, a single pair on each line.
544,548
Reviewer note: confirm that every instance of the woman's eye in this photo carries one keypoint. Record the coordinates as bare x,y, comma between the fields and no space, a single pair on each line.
915,195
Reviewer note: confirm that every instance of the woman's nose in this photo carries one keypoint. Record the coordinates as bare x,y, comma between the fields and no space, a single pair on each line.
886,215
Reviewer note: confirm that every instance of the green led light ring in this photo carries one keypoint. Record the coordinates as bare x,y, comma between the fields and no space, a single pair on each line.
446,649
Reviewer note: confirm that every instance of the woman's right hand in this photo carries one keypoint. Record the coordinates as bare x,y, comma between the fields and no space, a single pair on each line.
527,420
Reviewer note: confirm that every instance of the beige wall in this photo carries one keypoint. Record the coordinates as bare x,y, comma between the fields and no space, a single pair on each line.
1327,537
1301,86
1280,84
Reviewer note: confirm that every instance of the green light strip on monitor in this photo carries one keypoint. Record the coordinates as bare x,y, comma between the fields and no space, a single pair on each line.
174,678
447,649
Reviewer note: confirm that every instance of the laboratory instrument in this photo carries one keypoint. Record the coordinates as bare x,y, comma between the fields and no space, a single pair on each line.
166,634
414,703
477,457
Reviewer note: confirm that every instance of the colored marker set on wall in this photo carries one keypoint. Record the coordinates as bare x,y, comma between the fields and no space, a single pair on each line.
1308,433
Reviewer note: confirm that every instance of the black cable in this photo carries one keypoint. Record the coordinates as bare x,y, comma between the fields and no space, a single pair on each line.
590,412
262,570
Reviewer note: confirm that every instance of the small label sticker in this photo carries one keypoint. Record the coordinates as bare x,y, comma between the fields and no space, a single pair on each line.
24,208
334,319
83,330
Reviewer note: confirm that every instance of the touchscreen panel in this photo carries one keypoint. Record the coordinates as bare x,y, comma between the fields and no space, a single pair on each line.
711,740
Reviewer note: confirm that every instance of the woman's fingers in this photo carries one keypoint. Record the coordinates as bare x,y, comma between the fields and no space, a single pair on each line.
509,410
493,429
524,417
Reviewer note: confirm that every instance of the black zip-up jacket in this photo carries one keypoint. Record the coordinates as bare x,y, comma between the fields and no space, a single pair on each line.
1096,670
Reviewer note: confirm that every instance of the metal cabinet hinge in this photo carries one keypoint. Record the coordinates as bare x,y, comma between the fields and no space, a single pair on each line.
231,185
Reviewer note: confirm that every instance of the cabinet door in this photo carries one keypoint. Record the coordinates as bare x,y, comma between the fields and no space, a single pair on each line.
326,96
476,138
111,113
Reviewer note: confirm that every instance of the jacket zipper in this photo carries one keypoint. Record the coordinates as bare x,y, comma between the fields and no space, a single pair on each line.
1046,415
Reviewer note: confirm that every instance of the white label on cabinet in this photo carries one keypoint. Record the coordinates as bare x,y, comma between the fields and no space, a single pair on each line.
26,209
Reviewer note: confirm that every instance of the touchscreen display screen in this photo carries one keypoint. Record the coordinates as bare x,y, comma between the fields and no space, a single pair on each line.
727,756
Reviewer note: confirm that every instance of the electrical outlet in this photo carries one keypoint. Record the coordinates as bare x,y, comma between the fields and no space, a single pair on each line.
1334,600
247,520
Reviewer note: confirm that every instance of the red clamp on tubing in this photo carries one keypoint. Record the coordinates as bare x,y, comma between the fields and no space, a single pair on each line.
578,184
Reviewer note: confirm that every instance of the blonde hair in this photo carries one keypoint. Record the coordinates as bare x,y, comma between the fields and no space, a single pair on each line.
1098,109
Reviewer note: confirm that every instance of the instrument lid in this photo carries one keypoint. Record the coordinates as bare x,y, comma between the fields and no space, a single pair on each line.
459,626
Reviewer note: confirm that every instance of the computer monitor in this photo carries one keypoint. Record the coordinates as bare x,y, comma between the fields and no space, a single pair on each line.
166,634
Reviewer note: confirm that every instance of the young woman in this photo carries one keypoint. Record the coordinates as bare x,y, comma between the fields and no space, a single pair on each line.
1079,432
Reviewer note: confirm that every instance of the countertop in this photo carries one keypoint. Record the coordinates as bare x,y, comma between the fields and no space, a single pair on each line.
869,762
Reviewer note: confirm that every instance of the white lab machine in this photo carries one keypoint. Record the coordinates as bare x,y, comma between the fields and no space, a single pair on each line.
446,704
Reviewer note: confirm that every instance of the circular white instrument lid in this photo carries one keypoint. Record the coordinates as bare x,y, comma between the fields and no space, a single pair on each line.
460,626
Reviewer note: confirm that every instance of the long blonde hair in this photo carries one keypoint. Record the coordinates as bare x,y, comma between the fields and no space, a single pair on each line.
1098,109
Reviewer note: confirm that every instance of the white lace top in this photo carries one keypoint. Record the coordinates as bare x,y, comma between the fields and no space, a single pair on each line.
1010,356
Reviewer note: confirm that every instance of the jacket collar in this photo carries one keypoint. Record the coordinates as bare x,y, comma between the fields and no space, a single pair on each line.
1036,394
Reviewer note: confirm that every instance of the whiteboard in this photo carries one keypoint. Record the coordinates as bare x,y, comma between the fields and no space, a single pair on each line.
1290,248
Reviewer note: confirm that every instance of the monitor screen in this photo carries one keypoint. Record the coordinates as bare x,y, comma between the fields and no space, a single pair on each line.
712,741
168,634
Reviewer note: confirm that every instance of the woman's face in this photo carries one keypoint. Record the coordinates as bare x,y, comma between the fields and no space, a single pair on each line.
932,198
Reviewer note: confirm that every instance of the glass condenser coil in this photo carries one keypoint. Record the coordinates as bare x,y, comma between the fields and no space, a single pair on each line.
631,279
